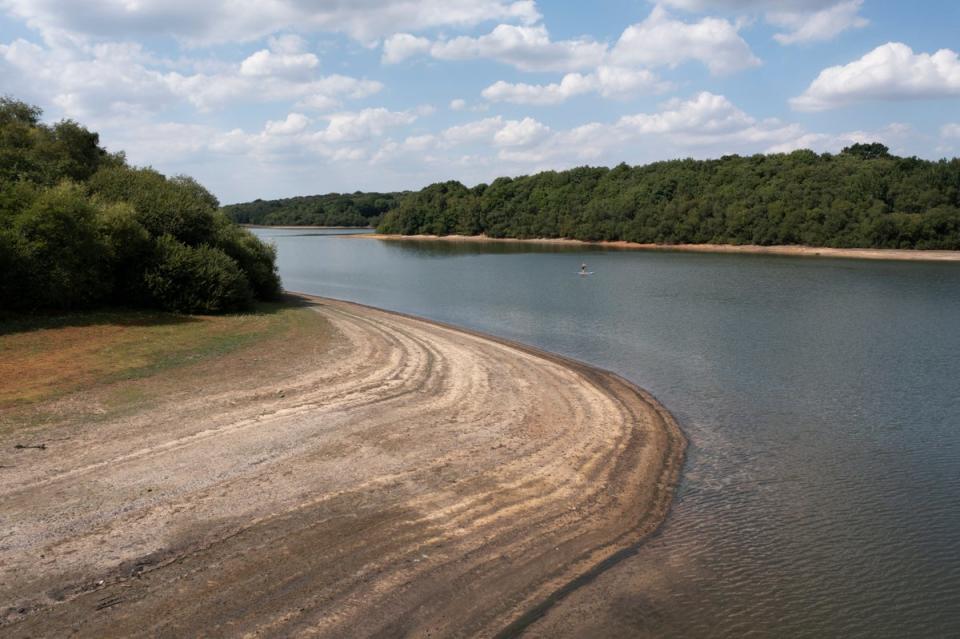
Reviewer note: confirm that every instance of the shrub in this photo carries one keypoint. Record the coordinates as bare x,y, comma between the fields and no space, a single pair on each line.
129,252
62,250
256,258
179,207
202,279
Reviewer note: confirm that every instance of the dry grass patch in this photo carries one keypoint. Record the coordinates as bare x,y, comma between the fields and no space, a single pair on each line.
46,358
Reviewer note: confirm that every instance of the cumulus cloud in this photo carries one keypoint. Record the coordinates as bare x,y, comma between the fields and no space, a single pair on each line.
115,78
703,124
361,125
890,72
294,123
819,25
951,130
217,21
803,20
662,40
401,46
528,48
266,62
471,132
458,104
606,80
523,132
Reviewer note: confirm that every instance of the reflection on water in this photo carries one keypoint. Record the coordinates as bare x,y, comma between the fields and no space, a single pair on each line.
821,398
450,248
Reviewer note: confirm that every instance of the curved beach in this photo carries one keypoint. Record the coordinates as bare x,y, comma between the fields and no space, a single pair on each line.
405,478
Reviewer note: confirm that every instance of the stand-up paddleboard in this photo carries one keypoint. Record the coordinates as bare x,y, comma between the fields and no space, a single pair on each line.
585,273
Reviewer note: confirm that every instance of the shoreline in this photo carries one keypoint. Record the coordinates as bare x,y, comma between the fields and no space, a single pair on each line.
422,478
911,255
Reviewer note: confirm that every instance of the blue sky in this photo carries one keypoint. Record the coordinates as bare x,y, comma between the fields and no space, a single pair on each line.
274,98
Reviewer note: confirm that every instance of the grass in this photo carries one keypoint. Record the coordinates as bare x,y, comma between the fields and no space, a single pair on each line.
43,358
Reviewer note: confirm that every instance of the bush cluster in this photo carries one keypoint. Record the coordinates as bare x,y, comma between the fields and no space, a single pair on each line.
79,227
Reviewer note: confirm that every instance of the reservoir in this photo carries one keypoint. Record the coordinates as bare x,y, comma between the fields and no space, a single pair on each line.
821,398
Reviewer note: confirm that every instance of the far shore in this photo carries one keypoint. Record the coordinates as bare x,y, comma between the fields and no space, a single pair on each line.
797,251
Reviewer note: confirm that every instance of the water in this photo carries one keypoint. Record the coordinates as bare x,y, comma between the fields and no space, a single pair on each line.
821,495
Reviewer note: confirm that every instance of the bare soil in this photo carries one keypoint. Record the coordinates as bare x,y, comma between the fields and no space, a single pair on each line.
391,477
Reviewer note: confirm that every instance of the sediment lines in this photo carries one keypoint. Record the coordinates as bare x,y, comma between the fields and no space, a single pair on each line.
413,480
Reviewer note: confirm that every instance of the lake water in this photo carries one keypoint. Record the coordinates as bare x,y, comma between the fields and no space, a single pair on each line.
821,494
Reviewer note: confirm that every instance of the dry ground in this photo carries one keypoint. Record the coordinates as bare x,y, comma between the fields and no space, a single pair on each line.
324,470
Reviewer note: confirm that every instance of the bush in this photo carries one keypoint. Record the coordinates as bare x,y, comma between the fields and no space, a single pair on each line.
16,267
129,252
108,232
179,207
61,250
200,279
256,258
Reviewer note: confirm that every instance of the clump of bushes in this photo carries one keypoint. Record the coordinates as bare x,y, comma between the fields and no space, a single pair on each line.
79,227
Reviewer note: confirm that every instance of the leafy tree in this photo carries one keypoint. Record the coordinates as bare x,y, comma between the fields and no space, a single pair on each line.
871,151
59,240
78,227
201,279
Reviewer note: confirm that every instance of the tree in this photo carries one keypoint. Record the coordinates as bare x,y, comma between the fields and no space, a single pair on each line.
871,151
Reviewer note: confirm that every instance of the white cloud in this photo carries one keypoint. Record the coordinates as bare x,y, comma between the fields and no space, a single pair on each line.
702,125
266,62
607,81
661,40
804,20
214,21
706,113
120,78
360,125
890,135
401,46
951,130
294,123
523,132
889,72
458,104
749,5
820,25
528,48
479,131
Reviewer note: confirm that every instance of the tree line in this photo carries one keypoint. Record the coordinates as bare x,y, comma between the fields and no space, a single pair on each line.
80,227
332,209
861,197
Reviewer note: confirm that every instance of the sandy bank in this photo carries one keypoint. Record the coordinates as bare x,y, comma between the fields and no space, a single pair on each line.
799,251
307,227
407,479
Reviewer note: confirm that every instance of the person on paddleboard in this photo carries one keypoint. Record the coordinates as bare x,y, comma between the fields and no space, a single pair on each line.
583,269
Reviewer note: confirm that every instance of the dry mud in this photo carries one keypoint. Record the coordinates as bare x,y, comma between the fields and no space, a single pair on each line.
410,479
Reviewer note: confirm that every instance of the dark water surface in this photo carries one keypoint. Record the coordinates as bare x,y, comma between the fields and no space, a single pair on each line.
821,495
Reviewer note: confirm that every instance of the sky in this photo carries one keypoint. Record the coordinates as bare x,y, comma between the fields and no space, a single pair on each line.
275,98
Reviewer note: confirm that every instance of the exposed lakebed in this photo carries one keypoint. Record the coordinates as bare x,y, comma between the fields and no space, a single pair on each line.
821,399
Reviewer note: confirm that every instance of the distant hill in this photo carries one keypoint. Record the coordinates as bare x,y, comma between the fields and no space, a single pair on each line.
332,209
862,197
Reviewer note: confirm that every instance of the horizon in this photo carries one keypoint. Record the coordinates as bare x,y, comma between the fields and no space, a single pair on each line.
281,101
